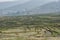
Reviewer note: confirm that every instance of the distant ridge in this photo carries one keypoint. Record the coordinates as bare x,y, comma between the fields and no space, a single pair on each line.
32,7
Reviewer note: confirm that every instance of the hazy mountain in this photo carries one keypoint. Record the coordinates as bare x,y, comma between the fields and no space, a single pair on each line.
24,8
27,6
48,8
8,4
31,7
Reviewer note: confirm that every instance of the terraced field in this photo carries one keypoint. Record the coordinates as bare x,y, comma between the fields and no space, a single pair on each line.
17,34
32,27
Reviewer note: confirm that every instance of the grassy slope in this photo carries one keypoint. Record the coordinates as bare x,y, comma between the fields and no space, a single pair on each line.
40,25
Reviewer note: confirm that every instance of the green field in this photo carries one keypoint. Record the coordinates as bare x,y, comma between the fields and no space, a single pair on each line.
30,27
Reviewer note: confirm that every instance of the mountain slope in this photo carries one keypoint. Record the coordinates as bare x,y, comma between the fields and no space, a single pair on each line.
23,8
32,7
48,8
29,5
4,5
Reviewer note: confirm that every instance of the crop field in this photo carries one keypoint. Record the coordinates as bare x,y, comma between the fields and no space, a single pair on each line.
31,27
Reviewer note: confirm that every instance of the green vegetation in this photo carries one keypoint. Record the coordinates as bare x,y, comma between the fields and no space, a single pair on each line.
41,25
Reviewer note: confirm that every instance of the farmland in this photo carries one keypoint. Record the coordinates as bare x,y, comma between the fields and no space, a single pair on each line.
30,27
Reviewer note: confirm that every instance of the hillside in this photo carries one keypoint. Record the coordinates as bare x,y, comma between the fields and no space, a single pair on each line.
32,27
48,8
48,20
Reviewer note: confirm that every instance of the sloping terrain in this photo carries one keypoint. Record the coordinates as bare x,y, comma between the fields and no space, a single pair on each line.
32,27
48,8
30,7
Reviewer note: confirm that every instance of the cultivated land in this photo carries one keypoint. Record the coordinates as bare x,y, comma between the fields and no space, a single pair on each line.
32,27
